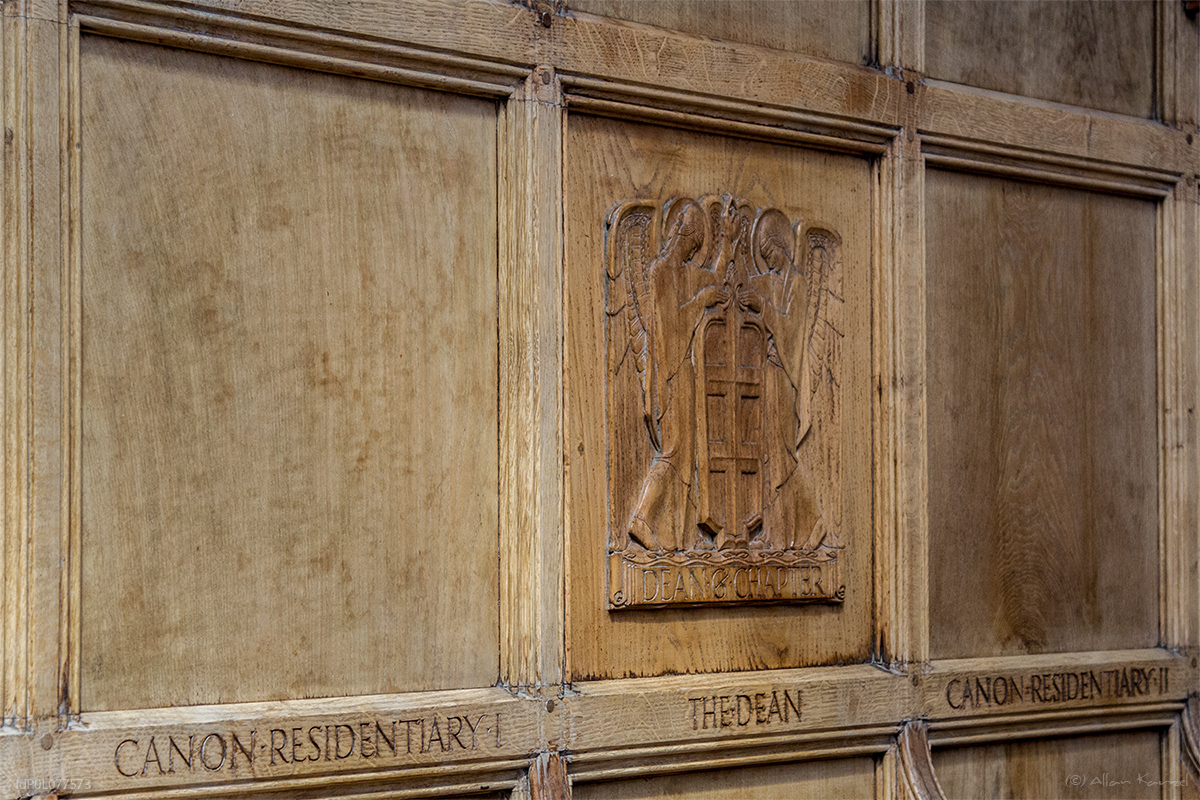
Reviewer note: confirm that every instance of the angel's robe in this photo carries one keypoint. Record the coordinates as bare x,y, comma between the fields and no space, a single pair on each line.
679,292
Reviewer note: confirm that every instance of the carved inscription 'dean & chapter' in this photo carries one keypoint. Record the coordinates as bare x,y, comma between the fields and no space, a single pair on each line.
723,328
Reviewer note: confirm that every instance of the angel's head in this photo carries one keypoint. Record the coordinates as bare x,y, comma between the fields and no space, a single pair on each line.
774,242
686,230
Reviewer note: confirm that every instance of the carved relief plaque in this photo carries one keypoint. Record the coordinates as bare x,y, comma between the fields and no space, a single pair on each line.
730,316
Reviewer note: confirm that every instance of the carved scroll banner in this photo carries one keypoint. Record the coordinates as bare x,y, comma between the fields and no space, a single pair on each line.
727,490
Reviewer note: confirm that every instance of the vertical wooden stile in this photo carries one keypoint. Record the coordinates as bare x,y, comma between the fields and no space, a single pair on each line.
44,80
15,642
531,548
900,326
70,581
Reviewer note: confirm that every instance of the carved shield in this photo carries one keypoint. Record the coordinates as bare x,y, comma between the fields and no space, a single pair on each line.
730,374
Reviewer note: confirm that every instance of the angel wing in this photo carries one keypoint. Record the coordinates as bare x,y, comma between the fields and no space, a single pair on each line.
822,347
630,245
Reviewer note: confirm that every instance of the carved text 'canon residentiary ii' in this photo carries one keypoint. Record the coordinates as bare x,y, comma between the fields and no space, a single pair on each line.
1087,685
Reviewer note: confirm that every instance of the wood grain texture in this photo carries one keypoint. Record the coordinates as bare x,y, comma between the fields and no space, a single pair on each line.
901,506
609,724
1178,66
901,34
167,138
837,30
531,507
725,333
1189,739
1124,765
842,778
1187,743
1041,131
917,779
1178,327
1043,464
548,778
460,740
289,383
610,161
21,186
37,166
586,45
1101,53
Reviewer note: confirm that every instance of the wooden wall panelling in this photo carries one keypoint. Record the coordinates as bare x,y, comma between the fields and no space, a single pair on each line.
1127,765
891,588
699,113
1166,73
70,580
811,102
548,779
19,186
917,779
1001,46
901,469
1038,133
839,31
319,50
840,778
1172,768
887,774
1015,291
471,27
1182,62
244,391
34,68
1012,727
1189,740
1177,65
592,47
1178,334
420,744
673,723
532,455
623,154
901,36
977,687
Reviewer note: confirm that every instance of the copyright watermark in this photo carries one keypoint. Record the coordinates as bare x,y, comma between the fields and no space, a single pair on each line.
52,785
1108,781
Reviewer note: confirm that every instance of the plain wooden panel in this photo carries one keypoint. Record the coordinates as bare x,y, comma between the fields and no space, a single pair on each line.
1121,766
1189,788
1043,456
289,383
611,161
820,780
1094,53
837,29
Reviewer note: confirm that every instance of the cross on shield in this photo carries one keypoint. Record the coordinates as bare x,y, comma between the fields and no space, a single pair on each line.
731,446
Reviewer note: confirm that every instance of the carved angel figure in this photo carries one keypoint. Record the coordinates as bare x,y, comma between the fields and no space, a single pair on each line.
733,323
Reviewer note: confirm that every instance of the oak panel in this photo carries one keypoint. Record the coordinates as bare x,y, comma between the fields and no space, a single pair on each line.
1043,463
289,383
1095,54
842,778
608,162
838,30
1117,765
